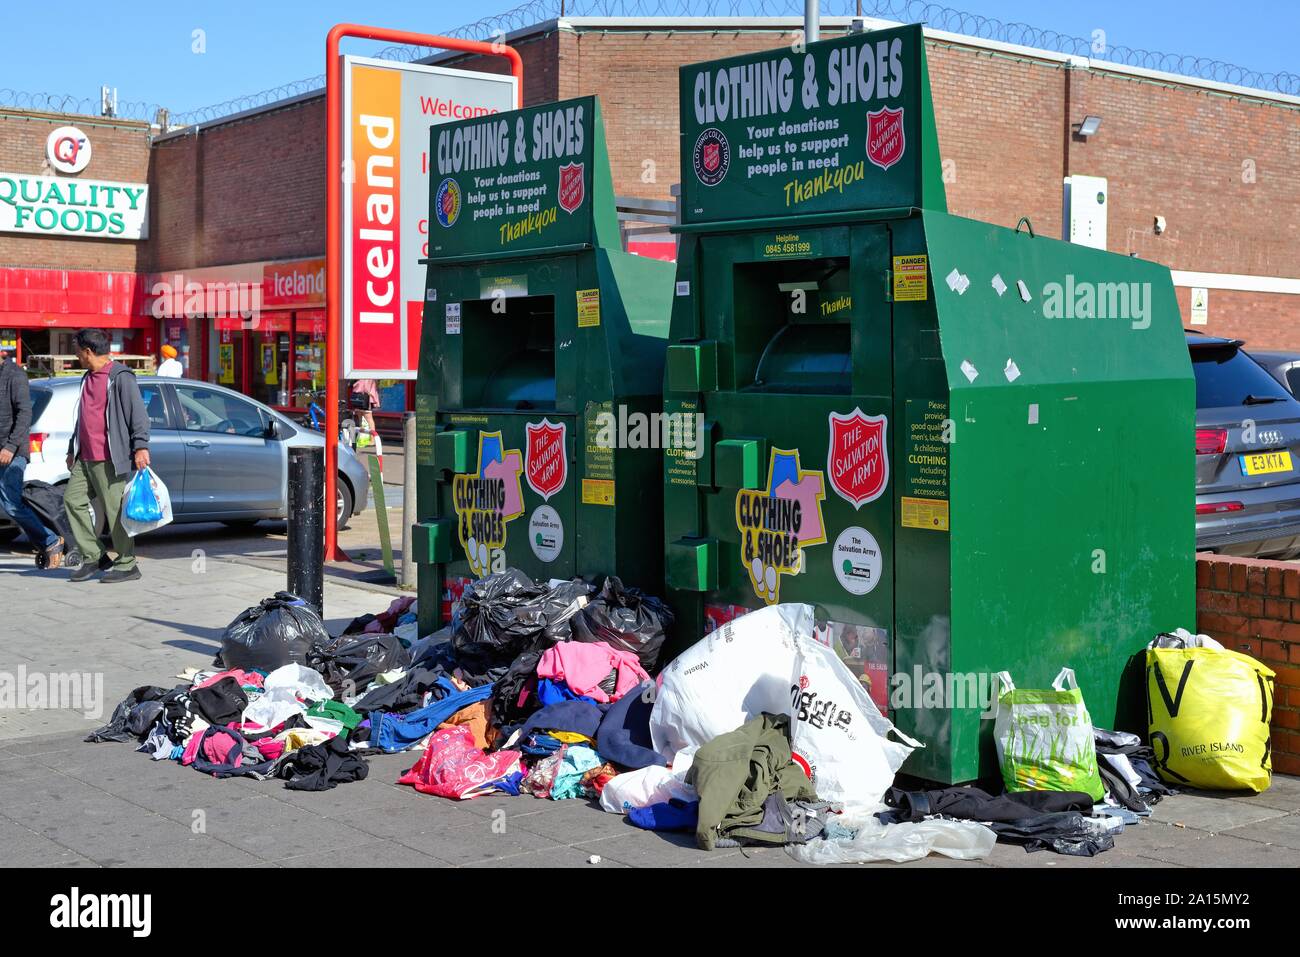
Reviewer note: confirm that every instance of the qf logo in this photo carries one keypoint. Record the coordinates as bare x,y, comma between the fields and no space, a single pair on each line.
74,910
68,149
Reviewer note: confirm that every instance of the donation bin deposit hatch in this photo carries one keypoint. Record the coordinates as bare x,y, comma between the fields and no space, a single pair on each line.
541,336
901,429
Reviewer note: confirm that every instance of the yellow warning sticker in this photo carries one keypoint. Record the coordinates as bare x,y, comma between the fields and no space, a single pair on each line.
909,278
931,513
588,308
597,492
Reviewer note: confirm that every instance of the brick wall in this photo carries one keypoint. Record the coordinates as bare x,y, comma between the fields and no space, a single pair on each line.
1218,168
119,153
1253,606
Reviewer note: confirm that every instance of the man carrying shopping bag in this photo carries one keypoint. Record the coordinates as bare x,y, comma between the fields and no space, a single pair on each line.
110,441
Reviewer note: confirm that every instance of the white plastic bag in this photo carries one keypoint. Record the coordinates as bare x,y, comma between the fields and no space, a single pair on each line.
907,841
134,527
645,786
285,693
769,660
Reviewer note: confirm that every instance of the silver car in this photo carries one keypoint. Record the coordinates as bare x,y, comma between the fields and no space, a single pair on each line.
223,456
1247,454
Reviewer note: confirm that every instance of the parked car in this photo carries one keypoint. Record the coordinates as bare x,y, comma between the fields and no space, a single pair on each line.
1247,444
1282,366
223,456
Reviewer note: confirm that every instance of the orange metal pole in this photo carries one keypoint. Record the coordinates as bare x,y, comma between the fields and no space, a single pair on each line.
334,241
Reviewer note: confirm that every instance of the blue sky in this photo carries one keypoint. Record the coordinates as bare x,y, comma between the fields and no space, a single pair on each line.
145,48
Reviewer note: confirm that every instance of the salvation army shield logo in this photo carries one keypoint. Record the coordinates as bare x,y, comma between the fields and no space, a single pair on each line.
446,204
711,157
546,467
885,141
857,461
572,186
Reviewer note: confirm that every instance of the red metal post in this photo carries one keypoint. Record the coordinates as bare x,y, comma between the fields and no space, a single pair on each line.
333,199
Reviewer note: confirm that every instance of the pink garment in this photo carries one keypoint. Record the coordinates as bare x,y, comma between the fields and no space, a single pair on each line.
452,767
508,471
243,677
271,749
192,747
584,665
92,420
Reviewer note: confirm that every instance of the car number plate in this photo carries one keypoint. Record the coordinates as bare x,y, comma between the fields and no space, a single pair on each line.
1265,463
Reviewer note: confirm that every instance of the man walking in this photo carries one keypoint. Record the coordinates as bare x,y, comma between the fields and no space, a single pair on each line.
15,420
110,441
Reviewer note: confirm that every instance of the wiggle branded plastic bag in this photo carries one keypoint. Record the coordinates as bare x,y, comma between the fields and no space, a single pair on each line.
1044,738
1208,709
769,660
146,504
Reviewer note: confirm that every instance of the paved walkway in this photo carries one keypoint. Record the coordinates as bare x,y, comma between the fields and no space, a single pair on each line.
66,803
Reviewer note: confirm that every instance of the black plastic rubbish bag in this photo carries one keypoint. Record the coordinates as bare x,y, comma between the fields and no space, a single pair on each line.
279,631
625,618
498,617
348,664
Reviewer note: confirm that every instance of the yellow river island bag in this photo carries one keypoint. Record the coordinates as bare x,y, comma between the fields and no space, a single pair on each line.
1208,709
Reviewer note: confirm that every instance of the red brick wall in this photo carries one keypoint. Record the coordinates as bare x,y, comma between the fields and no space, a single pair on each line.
1253,606
245,191
119,153
1264,321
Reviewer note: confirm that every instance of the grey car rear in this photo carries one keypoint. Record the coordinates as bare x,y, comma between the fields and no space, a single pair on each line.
1247,454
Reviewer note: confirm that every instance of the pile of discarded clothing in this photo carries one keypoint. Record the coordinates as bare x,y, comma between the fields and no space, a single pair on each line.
758,734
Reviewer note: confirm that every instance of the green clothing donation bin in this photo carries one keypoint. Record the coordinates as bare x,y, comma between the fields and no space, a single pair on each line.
540,336
968,447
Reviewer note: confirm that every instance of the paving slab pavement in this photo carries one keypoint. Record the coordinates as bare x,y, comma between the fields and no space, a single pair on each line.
64,803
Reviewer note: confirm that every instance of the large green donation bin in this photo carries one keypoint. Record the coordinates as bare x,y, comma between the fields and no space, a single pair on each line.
540,336
968,448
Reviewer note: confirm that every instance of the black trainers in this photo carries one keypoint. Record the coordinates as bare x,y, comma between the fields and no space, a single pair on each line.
117,575
87,571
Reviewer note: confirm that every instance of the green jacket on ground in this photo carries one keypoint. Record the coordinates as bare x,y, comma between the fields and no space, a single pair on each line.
734,774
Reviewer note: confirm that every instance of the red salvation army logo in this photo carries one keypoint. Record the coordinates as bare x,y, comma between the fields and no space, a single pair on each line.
545,465
572,186
885,141
857,462
711,157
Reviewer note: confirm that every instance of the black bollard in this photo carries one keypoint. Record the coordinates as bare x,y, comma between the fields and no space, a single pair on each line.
307,525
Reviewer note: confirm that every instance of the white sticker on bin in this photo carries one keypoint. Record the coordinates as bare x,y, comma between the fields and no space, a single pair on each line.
957,282
969,370
1012,371
998,285
683,288
1033,413
1024,290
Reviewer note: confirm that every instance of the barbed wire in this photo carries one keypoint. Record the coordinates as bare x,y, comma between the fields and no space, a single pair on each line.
496,26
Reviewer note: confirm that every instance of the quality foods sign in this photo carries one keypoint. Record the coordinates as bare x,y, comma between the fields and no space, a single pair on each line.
388,109
47,205
835,125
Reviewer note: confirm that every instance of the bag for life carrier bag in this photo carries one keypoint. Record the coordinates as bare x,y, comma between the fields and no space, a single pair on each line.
1044,738
1208,709
768,660
278,631
146,504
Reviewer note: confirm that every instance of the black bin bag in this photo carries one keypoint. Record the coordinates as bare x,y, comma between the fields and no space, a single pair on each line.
278,631
625,618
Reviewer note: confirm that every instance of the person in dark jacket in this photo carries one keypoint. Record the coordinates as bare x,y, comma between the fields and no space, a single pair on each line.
15,420
110,441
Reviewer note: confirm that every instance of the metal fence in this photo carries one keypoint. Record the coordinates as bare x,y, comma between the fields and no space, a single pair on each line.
496,26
